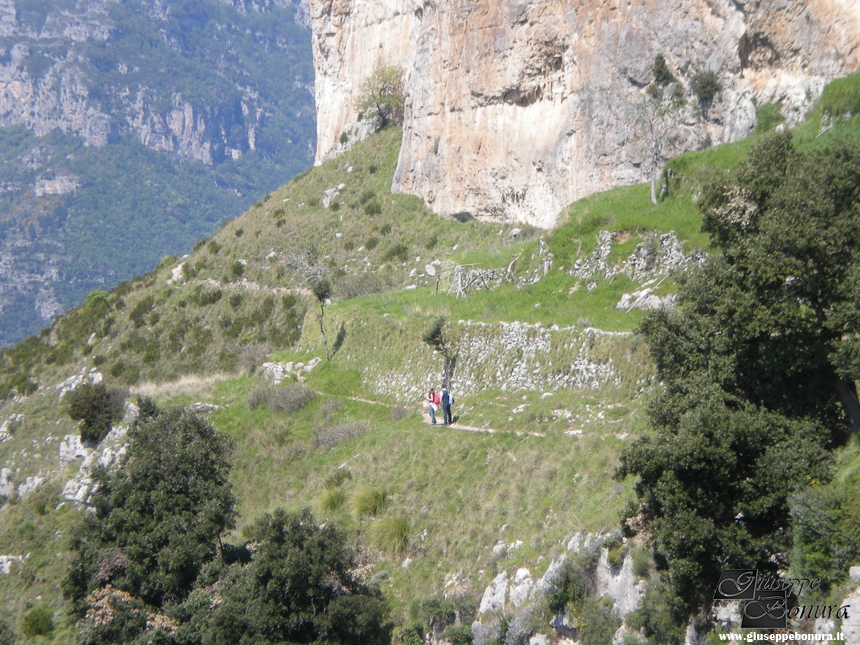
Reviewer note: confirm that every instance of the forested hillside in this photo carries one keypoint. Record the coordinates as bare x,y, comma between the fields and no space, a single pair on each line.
132,129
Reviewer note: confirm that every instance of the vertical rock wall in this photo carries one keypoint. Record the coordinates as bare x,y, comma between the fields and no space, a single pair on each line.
516,108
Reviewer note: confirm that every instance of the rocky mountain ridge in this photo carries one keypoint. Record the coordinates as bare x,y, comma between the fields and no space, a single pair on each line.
517,108
57,70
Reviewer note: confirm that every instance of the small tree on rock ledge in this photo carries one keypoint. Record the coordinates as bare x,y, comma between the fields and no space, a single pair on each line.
382,93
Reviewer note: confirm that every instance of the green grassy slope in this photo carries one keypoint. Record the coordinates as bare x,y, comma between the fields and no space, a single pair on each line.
531,462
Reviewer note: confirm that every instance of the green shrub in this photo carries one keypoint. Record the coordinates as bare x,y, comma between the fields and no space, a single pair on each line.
573,584
7,634
337,478
616,552
372,243
139,311
390,534
407,635
237,270
344,137
662,75
213,247
596,622
458,635
39,621
98,407
203,297
95,297
399,252
706,86
431,242
366,196
641,562
332,500
372,208
841,97
235,300
369,501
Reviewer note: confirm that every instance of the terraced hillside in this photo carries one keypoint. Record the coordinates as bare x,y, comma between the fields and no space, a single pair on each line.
536,335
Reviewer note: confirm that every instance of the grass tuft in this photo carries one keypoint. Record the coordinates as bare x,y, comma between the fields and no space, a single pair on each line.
369,501
390,534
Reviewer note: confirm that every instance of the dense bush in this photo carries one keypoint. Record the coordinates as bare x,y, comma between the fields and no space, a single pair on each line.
39,621
157,519
98,407
7,634
296,588
574,582
662,75
398,251
291,398
759,364
706,85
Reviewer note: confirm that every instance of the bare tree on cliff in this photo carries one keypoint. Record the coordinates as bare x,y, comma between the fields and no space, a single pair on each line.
655,116
382,93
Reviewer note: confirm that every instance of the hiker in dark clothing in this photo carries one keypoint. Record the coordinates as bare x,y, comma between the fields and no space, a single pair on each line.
447,400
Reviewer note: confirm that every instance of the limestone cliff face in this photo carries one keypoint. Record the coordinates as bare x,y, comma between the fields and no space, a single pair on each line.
517,107
58,70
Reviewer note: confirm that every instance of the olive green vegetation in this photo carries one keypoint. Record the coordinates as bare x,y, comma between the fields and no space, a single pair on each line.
358,452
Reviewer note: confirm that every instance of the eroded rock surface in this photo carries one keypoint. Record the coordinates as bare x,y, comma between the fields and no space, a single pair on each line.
517,108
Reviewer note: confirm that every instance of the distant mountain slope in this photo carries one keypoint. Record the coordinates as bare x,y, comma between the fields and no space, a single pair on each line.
129,130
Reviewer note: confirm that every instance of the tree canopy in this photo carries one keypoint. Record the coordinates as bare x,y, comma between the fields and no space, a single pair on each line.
382,93
157,519
758,364
298,587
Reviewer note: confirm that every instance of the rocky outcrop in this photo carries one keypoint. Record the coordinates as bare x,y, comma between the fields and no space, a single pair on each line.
516,108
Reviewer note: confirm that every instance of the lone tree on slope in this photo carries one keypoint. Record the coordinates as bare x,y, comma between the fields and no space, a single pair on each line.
382,93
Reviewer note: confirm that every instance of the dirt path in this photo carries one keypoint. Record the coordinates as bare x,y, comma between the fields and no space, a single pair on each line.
454,426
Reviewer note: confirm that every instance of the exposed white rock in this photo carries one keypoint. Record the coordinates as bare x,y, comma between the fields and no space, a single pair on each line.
71,448
521,587
7,486
8,426
493,599
851,624
625,589
30,484
7,560
645,299
77,491
56,185
91,376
